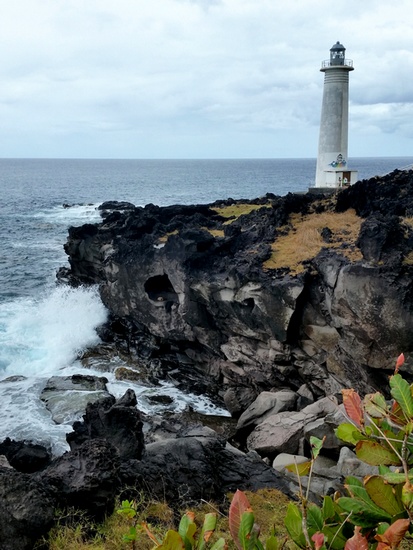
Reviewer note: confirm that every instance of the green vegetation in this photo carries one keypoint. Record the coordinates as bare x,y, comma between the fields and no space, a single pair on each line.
375,514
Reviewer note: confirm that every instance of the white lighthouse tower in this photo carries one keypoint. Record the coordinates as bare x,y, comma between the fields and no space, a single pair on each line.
332,162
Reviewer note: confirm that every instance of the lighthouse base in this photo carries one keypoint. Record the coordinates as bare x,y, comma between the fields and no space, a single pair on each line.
336,178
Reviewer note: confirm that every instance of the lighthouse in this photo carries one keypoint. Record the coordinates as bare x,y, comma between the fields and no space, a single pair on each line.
332,163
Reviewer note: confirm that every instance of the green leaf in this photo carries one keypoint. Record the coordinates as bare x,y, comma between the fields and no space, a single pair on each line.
401,393
172,541
314,519
384,495
362,501
131,536
394,478
219,545
375,405
127,509
302,469
272,543
334,534
208,527
245,528
293,524
361,513
184,524
383,469
382,527
346,432
328,508
375,454
316,446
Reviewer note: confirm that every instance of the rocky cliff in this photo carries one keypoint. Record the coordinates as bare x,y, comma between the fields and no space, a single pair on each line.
312,293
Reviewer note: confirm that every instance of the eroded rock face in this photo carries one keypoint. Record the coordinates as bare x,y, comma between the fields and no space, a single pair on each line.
115,421
26,510
199,305
85,478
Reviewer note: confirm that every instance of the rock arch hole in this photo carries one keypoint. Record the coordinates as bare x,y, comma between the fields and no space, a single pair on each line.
159,289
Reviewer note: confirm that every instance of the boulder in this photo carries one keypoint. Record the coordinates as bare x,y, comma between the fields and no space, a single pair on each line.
85,478
115,421
325,428
199,465
349,465
281,433
26,510
266,404
25,457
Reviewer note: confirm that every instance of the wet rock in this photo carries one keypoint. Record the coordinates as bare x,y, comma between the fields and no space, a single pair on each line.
67,397
325,428
238,399
25,457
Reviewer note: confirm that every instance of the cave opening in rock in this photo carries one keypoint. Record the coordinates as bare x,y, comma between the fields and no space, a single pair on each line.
159,289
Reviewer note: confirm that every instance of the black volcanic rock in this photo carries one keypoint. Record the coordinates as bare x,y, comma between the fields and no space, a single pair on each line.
117,422
26,510
25,457
85,478
198,465
191,298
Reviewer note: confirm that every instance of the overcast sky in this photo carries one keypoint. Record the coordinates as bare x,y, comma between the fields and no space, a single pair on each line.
199,78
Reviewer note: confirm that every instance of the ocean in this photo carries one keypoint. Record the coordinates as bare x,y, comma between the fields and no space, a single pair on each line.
44,326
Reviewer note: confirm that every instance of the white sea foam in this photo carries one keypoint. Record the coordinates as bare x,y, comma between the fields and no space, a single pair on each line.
71,215
41,336
180,400
24,416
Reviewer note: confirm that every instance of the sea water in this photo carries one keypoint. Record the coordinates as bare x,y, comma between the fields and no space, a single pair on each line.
45,326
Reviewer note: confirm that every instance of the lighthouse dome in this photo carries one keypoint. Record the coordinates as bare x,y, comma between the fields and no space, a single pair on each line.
337,54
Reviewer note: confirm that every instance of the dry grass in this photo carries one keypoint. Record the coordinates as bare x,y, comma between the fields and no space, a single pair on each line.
79,534
408,221
76,533
303,240
234,211
217,233
408,259
165,237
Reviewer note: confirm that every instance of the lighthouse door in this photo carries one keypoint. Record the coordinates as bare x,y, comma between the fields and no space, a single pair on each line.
346,177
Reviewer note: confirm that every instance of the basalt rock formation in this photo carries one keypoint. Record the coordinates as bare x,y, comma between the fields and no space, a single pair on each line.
194,297
108,456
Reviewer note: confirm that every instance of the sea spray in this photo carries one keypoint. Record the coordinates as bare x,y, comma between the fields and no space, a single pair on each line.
41,336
